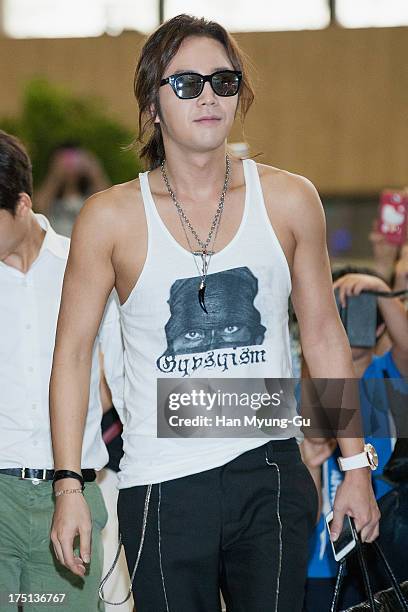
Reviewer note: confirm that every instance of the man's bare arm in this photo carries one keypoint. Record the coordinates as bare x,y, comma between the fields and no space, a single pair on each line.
324,341
88,281
325,345
326,348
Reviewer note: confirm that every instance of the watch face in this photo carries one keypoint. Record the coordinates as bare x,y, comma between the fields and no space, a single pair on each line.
371,456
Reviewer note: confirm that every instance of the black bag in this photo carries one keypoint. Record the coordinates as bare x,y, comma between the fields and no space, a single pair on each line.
391,600
396,469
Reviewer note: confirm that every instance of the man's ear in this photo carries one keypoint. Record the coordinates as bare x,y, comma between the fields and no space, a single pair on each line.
152,110
24,205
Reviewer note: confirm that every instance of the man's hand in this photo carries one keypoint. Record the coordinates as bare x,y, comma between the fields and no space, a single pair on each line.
355,497
71,518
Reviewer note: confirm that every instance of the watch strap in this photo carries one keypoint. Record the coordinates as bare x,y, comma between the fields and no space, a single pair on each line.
356,461
59,474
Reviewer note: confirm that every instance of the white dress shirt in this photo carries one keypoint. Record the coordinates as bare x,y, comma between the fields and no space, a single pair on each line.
29,305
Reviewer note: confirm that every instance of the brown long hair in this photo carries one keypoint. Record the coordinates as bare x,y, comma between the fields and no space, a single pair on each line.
157,52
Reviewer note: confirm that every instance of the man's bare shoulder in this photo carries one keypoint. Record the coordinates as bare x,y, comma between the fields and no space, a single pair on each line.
120,198
294,187
298,197
113,208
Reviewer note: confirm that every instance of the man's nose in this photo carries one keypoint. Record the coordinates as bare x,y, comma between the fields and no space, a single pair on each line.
207,96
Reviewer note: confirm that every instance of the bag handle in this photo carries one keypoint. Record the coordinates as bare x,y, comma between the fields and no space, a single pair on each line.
398,592
338,585
367,585
340,577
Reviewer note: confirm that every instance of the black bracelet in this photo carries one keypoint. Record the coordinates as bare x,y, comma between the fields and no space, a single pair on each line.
59,474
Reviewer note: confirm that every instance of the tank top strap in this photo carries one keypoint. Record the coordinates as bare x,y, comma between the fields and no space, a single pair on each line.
254,187
148,203
159,236
258,223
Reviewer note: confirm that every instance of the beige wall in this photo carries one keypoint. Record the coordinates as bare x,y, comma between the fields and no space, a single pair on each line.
331,104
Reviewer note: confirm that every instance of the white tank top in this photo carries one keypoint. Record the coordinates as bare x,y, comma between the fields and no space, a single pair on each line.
248,284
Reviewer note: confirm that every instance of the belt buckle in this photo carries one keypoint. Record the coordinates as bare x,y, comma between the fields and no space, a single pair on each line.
35,481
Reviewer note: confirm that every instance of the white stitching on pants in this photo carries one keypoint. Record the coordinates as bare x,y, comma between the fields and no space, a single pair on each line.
139,552
160,558
280,529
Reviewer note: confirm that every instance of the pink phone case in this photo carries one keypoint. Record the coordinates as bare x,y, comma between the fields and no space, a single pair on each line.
393,214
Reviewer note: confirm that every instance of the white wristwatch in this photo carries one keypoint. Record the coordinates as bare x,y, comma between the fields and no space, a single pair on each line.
368,457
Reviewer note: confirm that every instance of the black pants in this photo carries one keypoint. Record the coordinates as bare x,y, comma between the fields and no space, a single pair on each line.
242,527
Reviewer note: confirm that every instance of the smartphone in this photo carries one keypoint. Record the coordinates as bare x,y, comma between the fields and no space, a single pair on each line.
359,318
393,213
347,539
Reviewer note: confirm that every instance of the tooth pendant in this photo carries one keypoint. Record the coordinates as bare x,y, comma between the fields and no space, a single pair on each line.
201,295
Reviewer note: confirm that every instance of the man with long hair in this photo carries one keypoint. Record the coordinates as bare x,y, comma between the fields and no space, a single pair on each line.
203,250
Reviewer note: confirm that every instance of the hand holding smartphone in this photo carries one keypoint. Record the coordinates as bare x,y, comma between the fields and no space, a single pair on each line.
347,539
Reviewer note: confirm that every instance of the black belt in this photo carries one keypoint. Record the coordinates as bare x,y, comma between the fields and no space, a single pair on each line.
34,474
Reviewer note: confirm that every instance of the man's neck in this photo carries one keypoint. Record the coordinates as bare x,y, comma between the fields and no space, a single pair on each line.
28,249
197,176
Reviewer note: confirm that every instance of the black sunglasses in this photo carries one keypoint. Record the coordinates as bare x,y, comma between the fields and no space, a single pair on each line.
187,85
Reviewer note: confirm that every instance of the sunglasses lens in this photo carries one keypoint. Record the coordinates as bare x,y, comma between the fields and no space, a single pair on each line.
226,83
188,85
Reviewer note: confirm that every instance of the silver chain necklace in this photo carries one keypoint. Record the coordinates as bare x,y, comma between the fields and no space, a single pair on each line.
205,262
204,252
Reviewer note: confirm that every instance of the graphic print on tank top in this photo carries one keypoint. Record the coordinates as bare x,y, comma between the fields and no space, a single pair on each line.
232,321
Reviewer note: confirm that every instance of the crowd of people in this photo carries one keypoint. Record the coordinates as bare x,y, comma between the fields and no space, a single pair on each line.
380,368
80,343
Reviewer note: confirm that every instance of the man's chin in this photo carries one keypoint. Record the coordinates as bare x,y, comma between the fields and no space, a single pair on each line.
209,146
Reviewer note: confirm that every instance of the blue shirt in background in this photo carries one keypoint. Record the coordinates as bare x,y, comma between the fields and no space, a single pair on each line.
376,419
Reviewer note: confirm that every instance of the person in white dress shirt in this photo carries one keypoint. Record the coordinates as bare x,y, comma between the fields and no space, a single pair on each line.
32,265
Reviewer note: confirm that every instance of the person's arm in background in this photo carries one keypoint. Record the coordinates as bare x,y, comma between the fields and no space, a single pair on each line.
51,186
384,252
324,341
314,454
383,344
393,312
92,167
89,279
401,272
